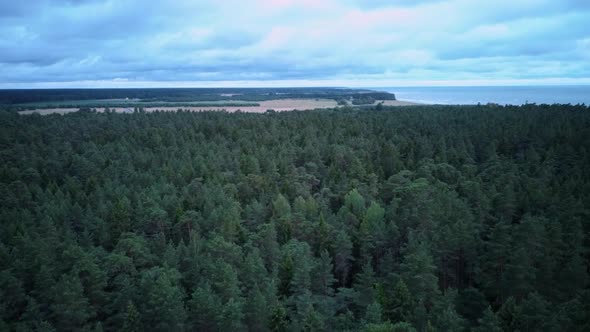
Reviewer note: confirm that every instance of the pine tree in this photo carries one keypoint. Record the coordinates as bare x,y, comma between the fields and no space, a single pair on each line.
278,320
471,304
323,275
342,257
162,304
205,309
445,317
533,314
70,307
323,232
382,327
306,316
355,203
400,303
132,319
232,316
403,327
489,322
302,263
418,272
365,286
374,314
269,247
519,277
494,261
509,315
256,310
253,272
371,231
119,220
282,216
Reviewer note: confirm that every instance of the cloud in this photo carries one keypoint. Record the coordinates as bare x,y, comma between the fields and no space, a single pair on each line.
274,40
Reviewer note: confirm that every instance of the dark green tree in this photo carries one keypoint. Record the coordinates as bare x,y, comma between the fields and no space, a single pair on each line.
162,303
489,322
71,310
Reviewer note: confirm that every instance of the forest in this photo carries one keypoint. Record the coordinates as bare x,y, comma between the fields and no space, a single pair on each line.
383,219
26,98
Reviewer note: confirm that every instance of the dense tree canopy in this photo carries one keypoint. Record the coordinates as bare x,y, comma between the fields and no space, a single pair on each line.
450,218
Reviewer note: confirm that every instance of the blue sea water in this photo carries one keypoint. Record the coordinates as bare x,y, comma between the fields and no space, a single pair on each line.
504,95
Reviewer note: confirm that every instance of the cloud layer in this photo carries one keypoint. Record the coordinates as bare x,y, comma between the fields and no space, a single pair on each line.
125,42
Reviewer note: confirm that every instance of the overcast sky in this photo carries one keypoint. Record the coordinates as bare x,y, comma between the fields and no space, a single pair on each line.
126,43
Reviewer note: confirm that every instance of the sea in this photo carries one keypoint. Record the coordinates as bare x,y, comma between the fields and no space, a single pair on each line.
503,95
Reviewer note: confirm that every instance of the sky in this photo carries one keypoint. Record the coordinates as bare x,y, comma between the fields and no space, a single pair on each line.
356,43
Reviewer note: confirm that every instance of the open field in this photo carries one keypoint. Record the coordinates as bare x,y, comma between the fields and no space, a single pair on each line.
278,105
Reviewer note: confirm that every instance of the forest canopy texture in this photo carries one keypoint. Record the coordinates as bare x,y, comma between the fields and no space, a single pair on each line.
455,218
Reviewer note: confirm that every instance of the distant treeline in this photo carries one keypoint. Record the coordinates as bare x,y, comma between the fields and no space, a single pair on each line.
12,97
133,104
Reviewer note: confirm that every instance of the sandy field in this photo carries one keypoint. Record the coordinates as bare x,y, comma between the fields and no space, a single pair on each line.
398,103
279,105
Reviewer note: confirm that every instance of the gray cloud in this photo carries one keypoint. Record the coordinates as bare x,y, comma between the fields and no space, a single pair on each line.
80,40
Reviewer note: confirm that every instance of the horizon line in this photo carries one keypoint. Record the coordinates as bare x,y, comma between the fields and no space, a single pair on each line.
327,83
